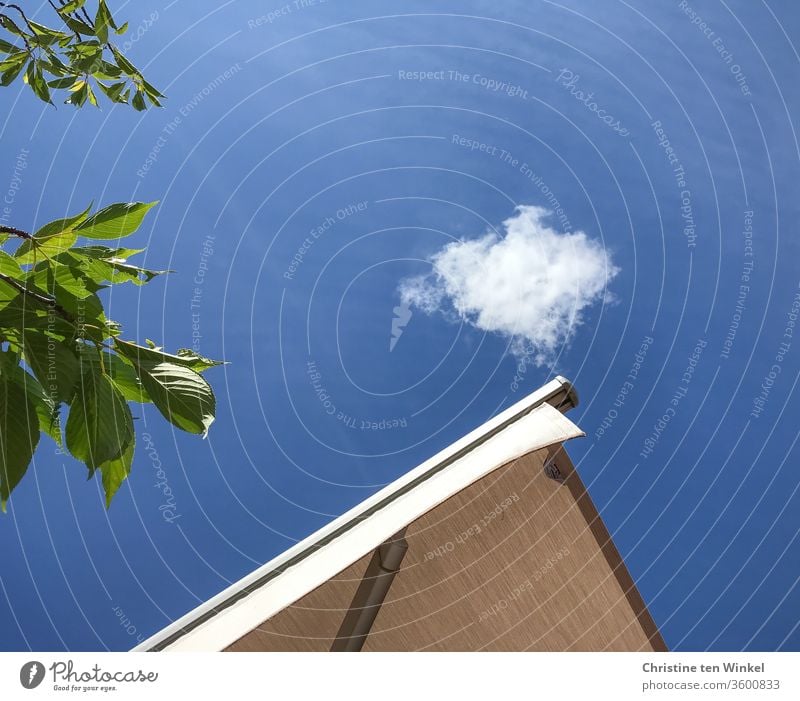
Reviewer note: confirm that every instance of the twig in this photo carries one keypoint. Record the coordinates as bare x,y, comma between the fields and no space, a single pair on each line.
42,299
6,17
15,232
22,14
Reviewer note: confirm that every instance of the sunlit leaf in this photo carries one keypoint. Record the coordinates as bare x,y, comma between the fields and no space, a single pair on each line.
181,395
138,101
78,26
185,357
8,266
45,246
14,59
9,75
122,374
197,362
114,221
54,364
71,6
8,293
100,426
19,430
115,471
63,83
7,48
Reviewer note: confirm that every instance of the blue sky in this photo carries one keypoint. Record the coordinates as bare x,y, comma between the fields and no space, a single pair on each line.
310,120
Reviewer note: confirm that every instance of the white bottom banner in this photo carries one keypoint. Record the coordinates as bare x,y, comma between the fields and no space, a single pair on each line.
466,676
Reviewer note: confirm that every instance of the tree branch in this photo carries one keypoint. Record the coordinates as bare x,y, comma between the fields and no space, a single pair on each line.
22,14
4,16
42,299
15,232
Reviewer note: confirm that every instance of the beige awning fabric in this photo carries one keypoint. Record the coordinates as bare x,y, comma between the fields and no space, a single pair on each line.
517,561
500,556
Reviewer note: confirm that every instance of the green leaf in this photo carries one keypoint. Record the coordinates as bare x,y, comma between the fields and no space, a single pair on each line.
19,431
150,90
37,82
196,362
61,83
152,93
123,272
185,357
24,312
51,239
49,420
100,426
78,26
112,269
8,293
102,21
78,97
10,75
10,267
54,65
122,374
181,395
153,101
114,472
54,364
108,70
64,274
7,48
86,50
14,59
126,380
45,35
10,26
113,92
114,221
87,312
61,225
46,409
125,65
111,22
71,6
40,246
119,255
138,101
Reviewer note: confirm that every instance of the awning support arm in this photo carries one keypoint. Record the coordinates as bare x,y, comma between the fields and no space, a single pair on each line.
371,593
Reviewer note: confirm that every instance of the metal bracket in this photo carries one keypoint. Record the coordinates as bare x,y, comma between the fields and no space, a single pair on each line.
371,593
552,471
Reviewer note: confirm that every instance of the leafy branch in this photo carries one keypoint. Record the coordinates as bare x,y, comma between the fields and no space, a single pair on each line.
76,61
59,352
58,349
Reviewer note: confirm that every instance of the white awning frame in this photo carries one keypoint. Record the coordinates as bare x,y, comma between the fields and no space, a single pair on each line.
528,425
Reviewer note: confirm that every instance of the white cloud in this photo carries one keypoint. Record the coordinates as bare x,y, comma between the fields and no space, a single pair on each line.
532,284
